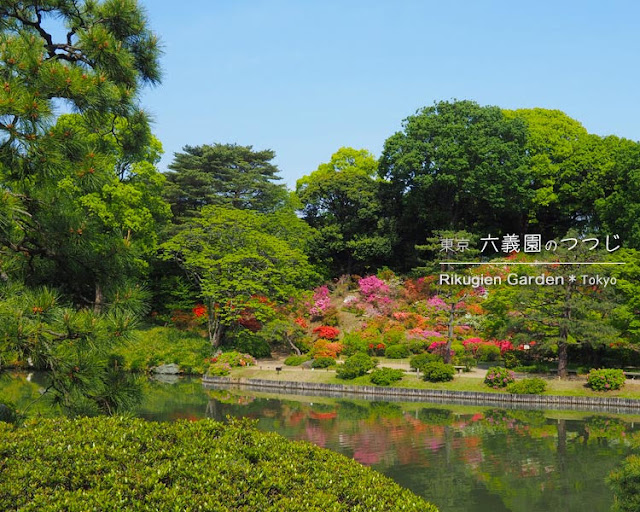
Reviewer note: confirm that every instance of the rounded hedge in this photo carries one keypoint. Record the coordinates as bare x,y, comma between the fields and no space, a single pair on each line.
438,372
130,464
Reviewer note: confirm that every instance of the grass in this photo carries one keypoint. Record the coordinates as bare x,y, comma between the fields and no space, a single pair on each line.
461,382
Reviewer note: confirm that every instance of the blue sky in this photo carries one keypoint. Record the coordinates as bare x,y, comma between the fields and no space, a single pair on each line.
306,77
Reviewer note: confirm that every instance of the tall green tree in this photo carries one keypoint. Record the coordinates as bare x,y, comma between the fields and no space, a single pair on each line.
569,312
76,185
80,193
235,255
341,200
224,174
455,165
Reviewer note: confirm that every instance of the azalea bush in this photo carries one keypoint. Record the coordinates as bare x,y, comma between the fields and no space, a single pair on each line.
321,302
323,362
397,352
534,386
127,465
296,360
327,332
326,348
606,379
385,376
499,377
355,366
234,359
219,369
437,371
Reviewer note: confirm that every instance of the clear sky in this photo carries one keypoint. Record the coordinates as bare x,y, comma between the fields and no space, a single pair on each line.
306,77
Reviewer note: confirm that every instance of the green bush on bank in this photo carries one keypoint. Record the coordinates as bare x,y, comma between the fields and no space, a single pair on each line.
130,464
606,379
164,345
438,372
385,376
355,366
535,386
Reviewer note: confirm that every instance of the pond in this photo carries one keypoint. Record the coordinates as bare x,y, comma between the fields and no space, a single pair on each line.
462,458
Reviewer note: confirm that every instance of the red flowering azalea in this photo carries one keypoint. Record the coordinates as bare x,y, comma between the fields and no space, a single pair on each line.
301,322
327,332
199,310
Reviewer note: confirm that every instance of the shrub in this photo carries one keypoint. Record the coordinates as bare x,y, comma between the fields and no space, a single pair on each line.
136,465
296,360
397,352
219,369
326,348
499,377
323,362
487,352
385,376
249,343
327,332
421,360
438,372
605,379
511,360
355,366
533,386
354,343
394,336
417,346
234,359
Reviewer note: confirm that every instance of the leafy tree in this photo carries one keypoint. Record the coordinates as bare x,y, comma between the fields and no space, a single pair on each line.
75,346
79,189
455,166
341,201
557,315
80,193
224,175
235,256
570,170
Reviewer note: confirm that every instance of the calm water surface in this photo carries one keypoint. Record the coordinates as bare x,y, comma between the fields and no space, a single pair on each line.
462,458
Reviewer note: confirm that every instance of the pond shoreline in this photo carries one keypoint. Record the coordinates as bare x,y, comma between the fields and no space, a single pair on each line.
413,394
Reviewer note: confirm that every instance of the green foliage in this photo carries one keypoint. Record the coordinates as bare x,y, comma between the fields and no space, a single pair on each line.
499,377
235,255
419,361
488,352
355,366
183,466
323,362
437,371
74,346
467,162
296,360
340,200
625,482
511,360
251,343
234,359
154,346
219,369
353,342
385,376
397,352
223,175
606,379
533,386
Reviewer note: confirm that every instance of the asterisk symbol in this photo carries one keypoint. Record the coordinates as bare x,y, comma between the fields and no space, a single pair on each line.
572,278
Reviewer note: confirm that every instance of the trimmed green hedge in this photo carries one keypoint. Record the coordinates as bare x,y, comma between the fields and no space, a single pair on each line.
129,464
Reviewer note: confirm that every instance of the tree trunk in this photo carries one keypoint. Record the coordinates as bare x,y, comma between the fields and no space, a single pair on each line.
563,360
452,316
291,344
214,326
99,299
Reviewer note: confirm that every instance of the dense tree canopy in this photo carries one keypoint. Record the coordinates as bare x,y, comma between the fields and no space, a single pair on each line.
235,255
224,174
340,199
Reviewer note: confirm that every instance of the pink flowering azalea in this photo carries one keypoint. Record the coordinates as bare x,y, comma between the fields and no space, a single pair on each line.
437,303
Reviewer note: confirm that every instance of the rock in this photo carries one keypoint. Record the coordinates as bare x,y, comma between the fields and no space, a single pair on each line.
167,369
307,364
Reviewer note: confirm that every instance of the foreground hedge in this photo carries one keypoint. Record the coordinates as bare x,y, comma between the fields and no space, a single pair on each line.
129,464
